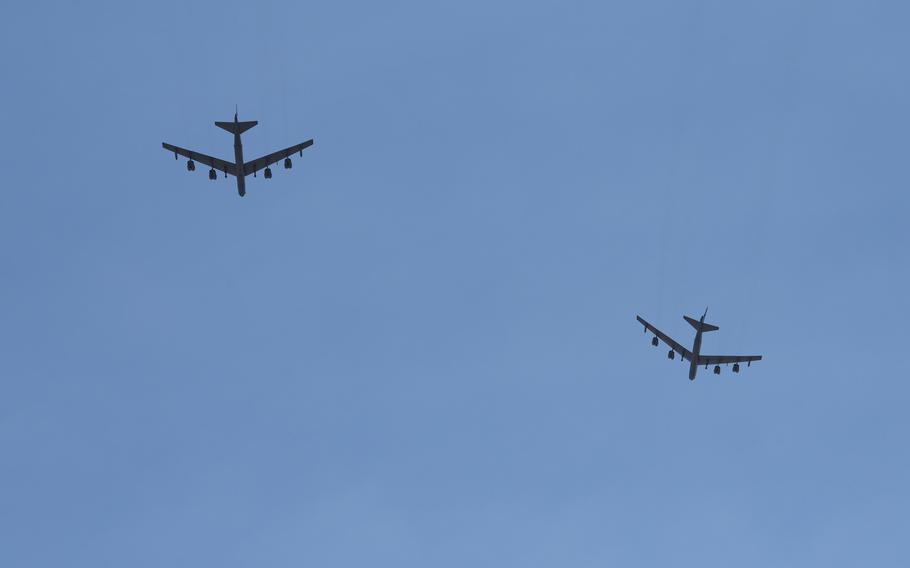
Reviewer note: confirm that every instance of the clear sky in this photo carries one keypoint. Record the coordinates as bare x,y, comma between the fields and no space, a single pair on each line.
418,347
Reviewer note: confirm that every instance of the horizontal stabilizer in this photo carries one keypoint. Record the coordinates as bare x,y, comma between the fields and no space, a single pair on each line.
700,326
237,127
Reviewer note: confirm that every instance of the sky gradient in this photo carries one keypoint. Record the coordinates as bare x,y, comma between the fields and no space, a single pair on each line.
419,347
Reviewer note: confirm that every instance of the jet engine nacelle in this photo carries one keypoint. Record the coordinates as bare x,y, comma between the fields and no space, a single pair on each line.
671,354
716,369
735,367
213,174
654,341
267,173
190,166
287,163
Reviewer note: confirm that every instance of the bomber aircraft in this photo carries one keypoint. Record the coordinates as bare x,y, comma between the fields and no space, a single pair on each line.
238,168
695,357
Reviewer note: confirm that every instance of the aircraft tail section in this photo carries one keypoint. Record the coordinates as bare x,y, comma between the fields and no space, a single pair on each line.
237,127
700,326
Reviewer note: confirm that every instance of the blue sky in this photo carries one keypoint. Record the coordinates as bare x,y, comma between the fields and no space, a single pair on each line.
418,348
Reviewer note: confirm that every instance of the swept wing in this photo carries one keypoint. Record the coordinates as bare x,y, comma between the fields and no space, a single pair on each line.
211,162
685,353
724,359
268,160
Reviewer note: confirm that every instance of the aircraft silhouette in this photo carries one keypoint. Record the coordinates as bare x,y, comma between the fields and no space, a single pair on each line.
238,168
694,357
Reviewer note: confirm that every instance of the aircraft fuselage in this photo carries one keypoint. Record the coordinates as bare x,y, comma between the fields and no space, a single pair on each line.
238,161
696,349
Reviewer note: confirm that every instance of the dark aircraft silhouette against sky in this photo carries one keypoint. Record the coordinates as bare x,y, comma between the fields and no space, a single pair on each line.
695,357
238,168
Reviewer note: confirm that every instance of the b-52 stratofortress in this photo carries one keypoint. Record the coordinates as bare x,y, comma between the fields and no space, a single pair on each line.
238,168
695,357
